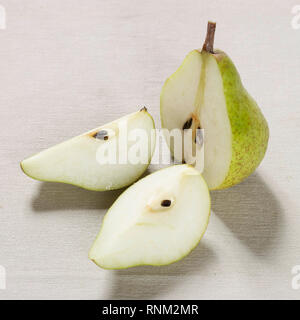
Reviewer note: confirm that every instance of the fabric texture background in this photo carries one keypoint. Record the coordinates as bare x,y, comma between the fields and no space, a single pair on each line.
69,66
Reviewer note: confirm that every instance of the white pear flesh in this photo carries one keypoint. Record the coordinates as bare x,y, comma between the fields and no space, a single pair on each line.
215,121
76,161
183,96
139,230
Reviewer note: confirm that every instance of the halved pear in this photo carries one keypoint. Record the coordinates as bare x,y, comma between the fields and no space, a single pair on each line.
157,221
84,160
206,92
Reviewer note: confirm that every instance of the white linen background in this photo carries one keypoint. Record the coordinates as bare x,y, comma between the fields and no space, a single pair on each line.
68,66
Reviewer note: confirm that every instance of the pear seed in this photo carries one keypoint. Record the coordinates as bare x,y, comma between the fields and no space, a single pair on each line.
166,203
199,137
188,124
102,135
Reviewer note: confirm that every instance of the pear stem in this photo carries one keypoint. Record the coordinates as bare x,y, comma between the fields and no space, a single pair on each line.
210,35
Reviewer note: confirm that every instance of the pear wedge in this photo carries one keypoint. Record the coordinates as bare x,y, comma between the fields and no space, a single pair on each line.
156,221
206,92
78,161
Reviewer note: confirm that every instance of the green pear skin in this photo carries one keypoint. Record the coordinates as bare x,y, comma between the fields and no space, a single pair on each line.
250,132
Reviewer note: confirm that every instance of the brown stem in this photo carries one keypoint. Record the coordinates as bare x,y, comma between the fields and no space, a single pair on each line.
210,35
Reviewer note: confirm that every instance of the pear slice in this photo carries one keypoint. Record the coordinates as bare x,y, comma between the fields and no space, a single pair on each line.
206,92
78,161
156,221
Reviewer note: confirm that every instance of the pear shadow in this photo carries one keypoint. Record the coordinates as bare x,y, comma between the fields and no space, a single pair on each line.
252,213
58,196
148,282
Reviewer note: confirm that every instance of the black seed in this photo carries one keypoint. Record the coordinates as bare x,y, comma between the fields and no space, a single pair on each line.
166,203
199,137
144,109
188,124
102,135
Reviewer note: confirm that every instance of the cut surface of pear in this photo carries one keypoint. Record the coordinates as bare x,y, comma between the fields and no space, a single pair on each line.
206,92
156,221
76,161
